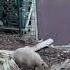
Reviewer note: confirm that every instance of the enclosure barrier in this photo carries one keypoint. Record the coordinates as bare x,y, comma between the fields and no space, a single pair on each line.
19,15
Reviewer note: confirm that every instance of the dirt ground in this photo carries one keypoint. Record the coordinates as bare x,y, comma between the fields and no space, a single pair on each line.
50,55
11,41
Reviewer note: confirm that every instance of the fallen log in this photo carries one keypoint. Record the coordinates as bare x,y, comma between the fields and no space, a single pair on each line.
43,44
65,48
7,63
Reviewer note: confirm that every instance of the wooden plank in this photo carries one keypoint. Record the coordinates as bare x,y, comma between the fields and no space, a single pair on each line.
42,44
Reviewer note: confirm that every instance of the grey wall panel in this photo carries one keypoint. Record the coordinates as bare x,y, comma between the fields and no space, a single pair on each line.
54,20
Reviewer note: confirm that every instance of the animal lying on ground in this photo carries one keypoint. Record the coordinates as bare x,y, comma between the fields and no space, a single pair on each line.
30,58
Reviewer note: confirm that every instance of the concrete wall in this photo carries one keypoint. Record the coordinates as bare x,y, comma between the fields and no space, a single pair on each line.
54,20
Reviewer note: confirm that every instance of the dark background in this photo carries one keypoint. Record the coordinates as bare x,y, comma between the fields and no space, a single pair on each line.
54,20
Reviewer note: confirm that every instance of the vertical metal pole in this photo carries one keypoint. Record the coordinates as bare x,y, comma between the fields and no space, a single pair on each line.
37,34
19,4
35,19
24,7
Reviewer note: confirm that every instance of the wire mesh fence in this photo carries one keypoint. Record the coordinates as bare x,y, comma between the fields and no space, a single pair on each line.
19,16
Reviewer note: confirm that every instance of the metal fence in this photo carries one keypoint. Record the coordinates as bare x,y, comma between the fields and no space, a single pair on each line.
19,15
